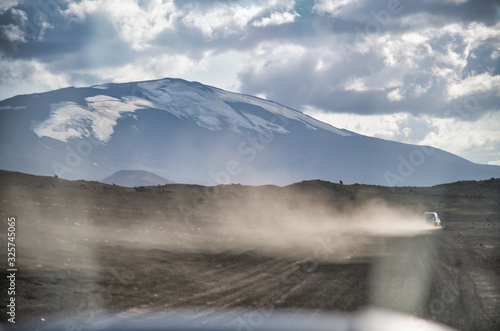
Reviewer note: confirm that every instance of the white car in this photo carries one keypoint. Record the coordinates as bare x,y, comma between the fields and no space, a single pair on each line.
432,217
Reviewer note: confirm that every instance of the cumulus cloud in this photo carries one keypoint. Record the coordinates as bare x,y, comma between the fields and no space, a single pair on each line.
276,19
7,4
12,33
22,77
417,71
151,68
77,11
335,8
136,23
483,85
399,126
15,32
476,140
225,19
220,21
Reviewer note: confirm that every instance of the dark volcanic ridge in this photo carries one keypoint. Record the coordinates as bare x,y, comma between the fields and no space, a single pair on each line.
458,201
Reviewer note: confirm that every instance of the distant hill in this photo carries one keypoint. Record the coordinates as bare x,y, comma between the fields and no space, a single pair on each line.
135,178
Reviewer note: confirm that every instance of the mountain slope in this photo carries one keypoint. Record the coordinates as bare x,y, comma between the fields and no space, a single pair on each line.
135,178
192,133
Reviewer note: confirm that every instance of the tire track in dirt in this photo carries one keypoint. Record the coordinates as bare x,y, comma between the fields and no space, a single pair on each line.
262,293
234,284
239,279
464,294
245,289
239,290
487,291
332,287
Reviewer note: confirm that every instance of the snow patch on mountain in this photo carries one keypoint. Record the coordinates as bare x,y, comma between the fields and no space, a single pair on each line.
185,101
69,120
278,109
207,107
10,107
100,87
201,105
260,122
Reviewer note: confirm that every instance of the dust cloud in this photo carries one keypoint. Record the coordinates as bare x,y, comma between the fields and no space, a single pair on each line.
249,219
273,224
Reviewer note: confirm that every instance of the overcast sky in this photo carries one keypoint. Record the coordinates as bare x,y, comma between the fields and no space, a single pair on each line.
424,72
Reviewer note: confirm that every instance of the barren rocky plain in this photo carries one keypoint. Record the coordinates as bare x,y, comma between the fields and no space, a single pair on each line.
84,248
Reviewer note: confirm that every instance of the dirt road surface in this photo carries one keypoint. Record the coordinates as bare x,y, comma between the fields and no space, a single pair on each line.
81,255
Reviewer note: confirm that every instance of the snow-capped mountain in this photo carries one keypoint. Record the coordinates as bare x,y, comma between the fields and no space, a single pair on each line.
192,133
135,178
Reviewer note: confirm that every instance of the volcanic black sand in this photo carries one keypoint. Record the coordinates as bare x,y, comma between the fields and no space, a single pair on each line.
84,248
